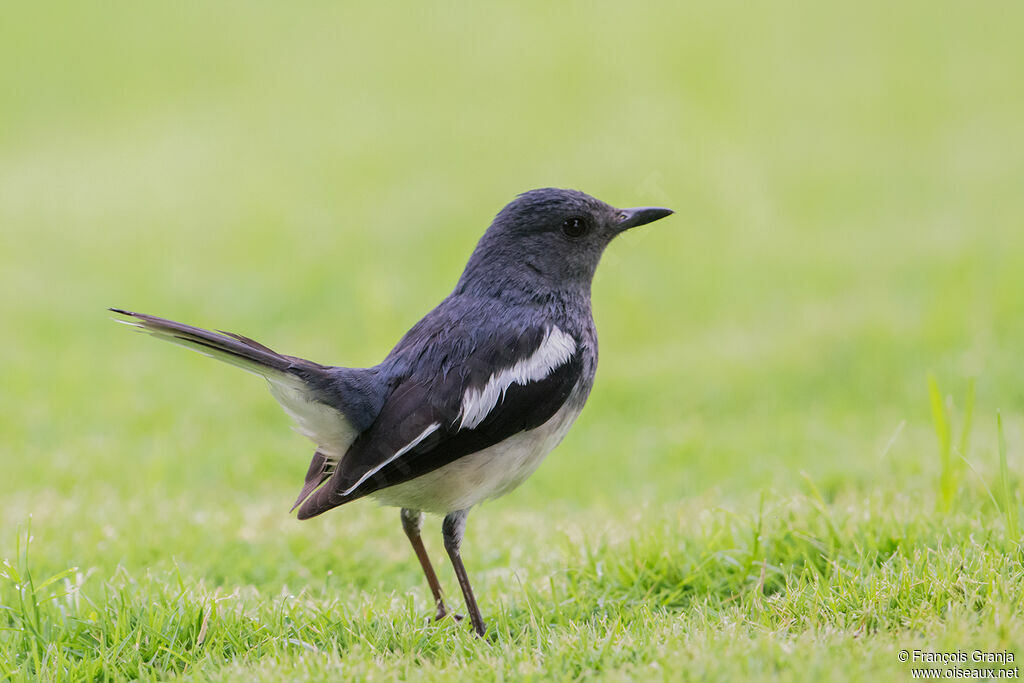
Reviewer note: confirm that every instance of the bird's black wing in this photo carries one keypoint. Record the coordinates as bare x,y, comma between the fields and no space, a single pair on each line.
511,382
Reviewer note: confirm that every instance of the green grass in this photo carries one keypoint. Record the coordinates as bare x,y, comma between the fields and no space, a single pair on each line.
765,482
795,589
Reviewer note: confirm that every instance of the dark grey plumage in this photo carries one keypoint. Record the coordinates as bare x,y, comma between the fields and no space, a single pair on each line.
470,400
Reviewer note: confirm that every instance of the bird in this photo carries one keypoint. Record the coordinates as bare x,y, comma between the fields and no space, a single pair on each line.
472,398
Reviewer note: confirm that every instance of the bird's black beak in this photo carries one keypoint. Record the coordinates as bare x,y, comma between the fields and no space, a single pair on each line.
641,215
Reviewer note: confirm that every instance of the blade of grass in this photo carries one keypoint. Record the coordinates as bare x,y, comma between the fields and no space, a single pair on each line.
940,420
1009,500
818,501
991,495
965,430
56,577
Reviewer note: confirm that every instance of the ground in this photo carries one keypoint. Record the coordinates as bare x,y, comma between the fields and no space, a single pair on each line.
764,483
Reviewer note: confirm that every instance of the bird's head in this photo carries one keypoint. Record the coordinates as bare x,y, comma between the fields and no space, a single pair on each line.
551,237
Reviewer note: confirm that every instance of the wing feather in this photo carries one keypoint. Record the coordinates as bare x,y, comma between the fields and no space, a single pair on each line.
427,424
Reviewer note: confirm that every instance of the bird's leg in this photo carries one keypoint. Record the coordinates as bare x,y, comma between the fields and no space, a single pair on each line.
453,528
412,521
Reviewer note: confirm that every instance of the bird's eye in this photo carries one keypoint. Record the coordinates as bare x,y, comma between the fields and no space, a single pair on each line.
575,227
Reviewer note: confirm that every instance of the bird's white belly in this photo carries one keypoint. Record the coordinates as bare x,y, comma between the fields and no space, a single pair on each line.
485,474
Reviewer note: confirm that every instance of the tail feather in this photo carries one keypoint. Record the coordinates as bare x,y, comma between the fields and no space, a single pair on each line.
250,342
320,470
231,348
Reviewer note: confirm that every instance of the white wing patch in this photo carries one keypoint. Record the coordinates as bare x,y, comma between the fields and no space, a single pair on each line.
400,452
555,349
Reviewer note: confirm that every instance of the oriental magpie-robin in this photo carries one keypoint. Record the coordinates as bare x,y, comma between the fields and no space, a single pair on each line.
472,398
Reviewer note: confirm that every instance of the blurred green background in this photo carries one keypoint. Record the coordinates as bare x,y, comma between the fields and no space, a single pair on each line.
848,189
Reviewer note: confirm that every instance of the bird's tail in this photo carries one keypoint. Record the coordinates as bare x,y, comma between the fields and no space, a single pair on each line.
231,348
329,405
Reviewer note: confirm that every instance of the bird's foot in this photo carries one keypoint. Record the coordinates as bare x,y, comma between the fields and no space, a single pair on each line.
442,613
480,630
